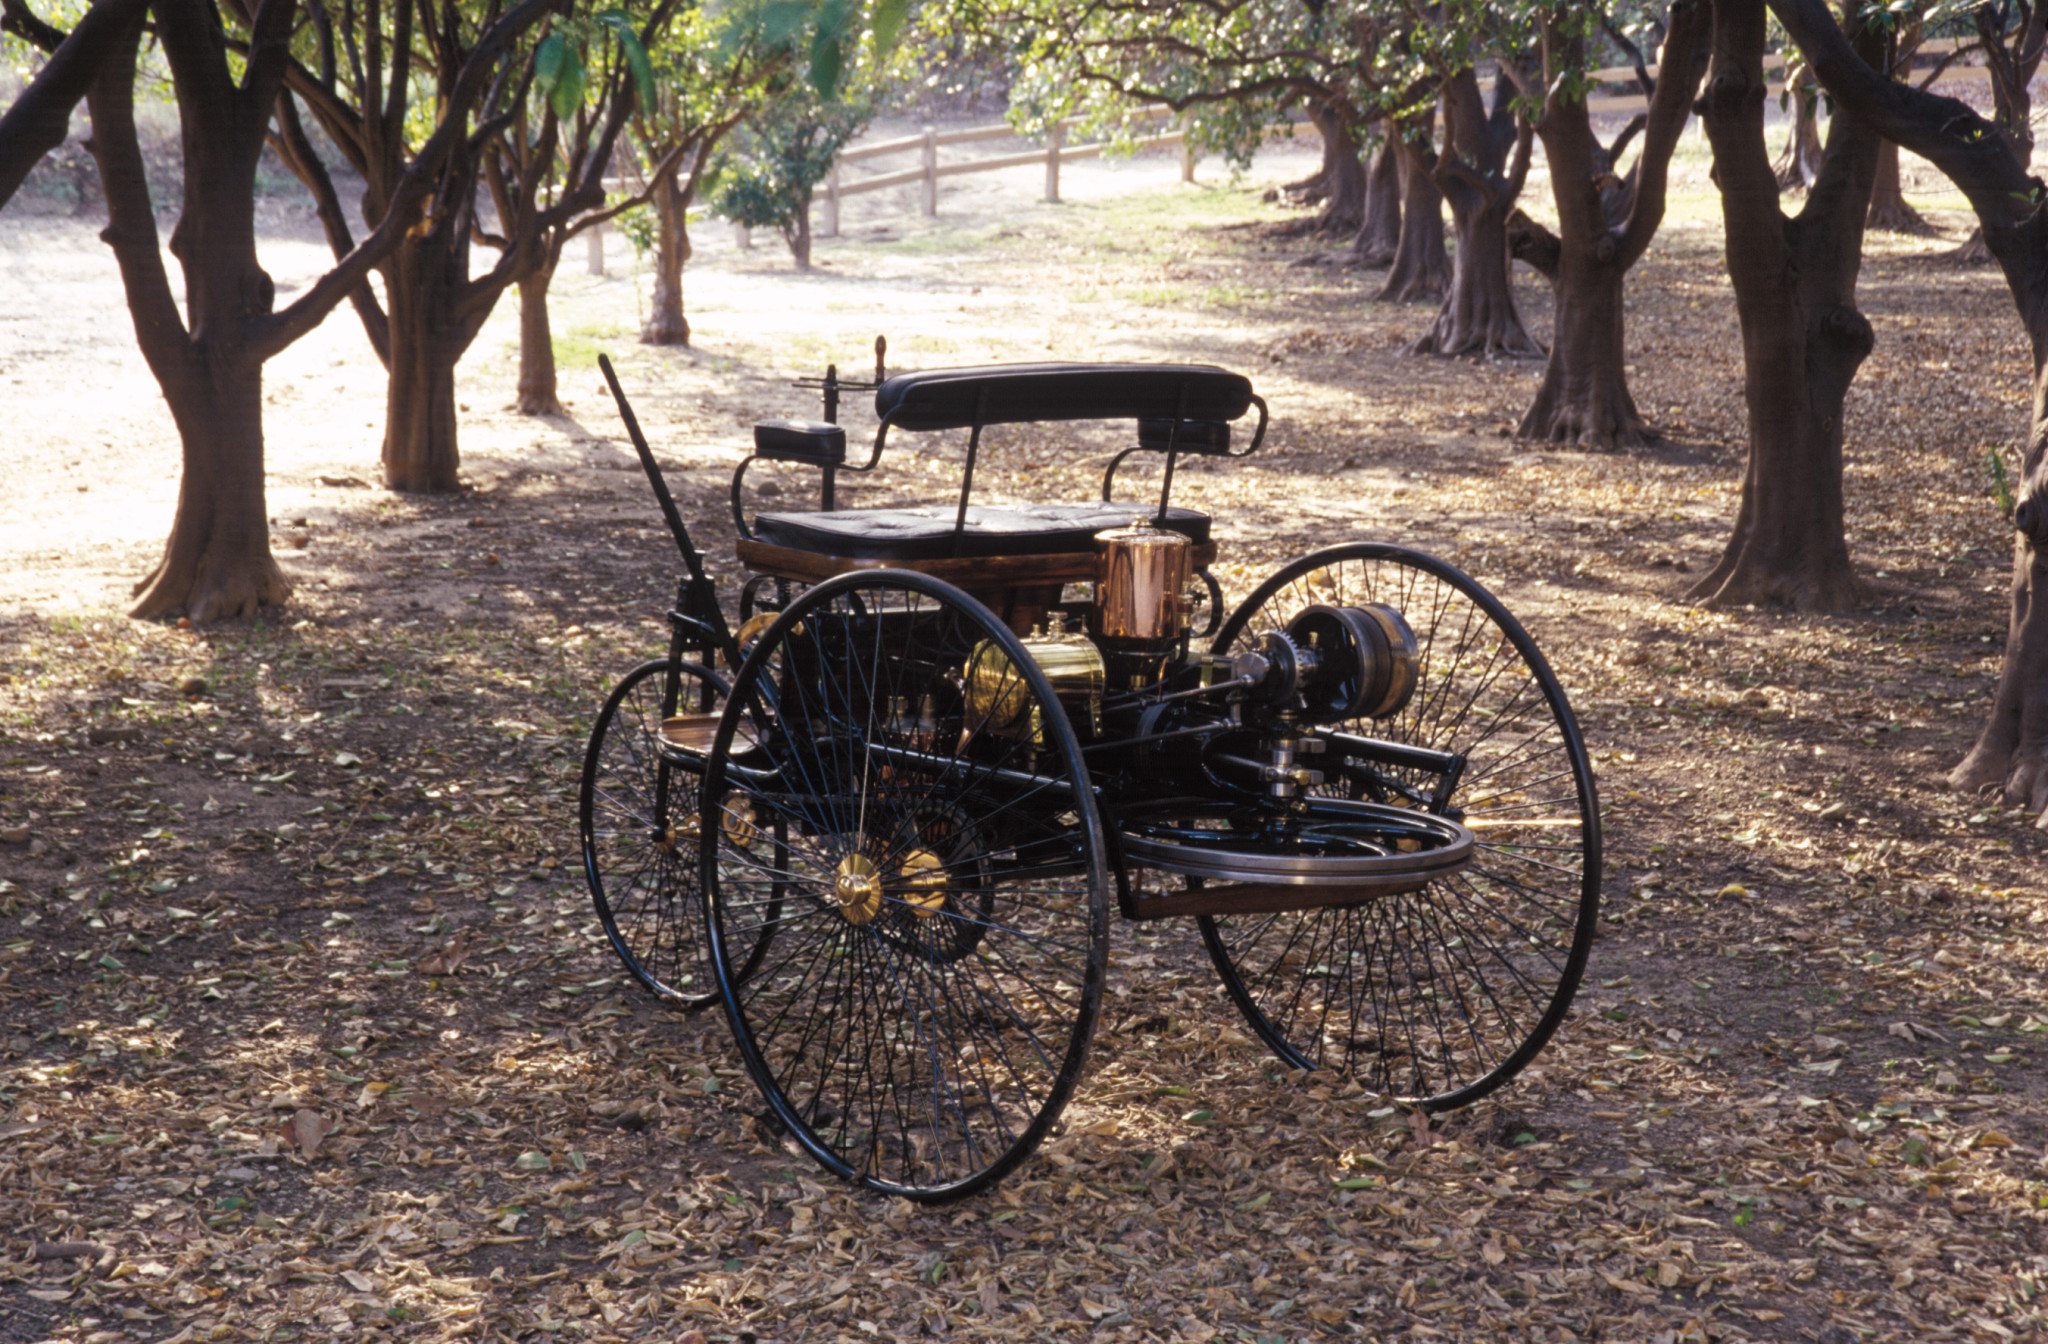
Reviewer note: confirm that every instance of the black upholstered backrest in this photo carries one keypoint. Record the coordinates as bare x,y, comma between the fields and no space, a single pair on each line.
999,394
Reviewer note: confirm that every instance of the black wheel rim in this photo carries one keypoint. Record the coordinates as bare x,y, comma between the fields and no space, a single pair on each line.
938,913
1441,994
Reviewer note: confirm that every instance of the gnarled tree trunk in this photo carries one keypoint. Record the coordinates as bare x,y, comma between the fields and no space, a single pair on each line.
1478,315
666,324
427,336
1802,337
1343,175
1421,269
217,562
2011,750
1605,224
1379,231
1480,172
1584,397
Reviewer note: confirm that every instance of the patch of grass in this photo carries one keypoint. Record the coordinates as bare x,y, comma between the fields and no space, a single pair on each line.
579,347
1159,296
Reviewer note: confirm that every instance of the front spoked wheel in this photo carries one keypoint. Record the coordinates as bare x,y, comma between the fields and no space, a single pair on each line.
637,812
939,912
1441,993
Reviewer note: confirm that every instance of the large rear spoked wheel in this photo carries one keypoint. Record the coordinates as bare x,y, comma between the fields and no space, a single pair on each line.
939,912
1442,993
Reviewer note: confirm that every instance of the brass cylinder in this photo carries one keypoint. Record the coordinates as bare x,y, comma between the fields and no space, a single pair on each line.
1141,582
999,700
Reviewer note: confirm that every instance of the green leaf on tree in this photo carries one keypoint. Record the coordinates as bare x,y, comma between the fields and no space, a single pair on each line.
547,61
888,23
567,94
827,58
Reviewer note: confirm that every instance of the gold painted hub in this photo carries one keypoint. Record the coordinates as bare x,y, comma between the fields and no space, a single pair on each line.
739,823
858,888
924,883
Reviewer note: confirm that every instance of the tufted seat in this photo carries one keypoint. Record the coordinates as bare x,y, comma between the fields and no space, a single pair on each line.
926,533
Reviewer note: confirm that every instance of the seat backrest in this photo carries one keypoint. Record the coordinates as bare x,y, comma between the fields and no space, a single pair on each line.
999,394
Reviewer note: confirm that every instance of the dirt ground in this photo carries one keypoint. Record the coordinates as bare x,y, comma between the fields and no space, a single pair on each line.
306,1030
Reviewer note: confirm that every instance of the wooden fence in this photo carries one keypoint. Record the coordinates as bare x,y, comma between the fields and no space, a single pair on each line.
929,168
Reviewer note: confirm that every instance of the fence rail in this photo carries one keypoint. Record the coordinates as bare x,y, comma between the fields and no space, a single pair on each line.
930,170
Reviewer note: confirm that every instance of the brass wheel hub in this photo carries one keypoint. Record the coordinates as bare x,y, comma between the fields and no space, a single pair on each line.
738,823
857,886
924,883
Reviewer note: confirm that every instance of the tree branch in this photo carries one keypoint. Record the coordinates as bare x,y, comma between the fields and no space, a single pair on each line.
415,185
296,149
131,218
1678,75
1969,150
40,118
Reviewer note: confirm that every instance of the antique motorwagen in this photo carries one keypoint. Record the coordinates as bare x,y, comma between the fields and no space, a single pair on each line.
884,817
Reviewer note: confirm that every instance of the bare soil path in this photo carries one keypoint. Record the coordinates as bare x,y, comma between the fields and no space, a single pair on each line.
306,1032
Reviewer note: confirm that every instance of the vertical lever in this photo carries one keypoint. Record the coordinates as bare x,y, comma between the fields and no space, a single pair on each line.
881,353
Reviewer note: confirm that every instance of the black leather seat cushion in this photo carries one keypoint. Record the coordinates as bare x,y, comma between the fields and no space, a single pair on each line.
1004,394
926,533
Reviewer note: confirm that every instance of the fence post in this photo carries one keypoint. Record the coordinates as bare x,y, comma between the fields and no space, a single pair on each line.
830,227
1053,144
594,260
931,172
1187,158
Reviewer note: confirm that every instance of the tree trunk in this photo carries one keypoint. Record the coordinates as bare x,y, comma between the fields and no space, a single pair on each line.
1344,180
1802,337
1483,163
665,323
799,236
1379,233
1799,162
2011,751
1584,397
1421,270
1477,316
1888,208
217,564
1605,224
420,448
537,390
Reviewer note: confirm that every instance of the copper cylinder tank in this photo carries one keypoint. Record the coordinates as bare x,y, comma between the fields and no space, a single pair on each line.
1141,582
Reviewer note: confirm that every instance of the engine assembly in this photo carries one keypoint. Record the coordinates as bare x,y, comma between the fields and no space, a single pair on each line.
1133,673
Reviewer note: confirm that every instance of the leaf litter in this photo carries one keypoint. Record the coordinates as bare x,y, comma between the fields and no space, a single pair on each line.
306,1031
